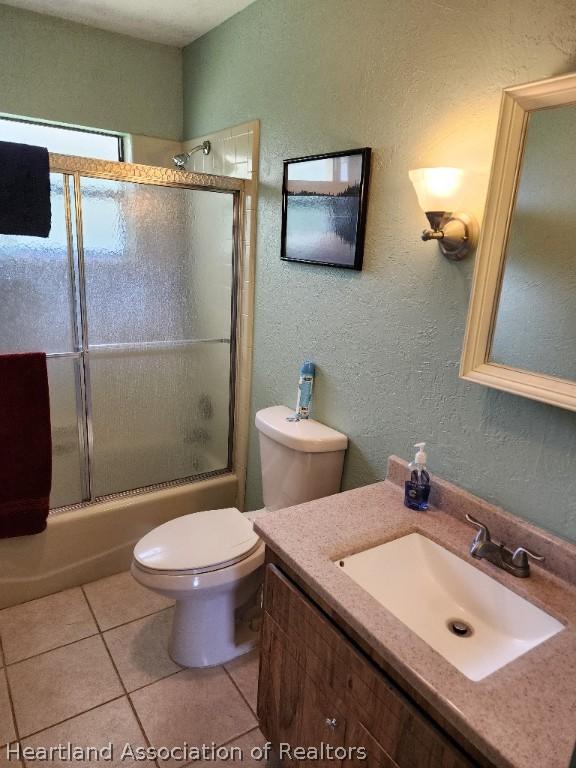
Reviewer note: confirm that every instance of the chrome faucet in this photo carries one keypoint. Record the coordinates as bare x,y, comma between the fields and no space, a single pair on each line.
483,548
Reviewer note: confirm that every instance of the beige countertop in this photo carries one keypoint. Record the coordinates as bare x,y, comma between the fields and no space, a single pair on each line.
521,716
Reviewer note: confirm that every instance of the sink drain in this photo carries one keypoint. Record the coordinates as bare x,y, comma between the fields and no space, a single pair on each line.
459,627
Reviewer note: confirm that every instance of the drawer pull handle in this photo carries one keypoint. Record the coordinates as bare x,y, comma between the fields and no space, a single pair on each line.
331,722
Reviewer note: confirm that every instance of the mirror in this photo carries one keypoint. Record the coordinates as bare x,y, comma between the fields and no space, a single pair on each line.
521,334
535,325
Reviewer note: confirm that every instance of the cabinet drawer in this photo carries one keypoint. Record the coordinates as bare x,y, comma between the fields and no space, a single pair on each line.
405,734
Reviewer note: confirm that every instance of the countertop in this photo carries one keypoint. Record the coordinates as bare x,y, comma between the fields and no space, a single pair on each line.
521,716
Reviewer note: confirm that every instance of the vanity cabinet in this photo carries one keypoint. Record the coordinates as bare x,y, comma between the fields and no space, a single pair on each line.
316,688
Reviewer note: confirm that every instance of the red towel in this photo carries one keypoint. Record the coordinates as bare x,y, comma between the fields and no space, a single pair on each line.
25,444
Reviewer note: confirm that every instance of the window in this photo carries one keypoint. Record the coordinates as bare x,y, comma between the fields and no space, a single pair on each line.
63,141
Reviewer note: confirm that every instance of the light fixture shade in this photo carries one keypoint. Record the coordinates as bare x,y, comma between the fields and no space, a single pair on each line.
437,188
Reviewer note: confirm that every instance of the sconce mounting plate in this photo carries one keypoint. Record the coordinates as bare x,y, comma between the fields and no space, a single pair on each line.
456,233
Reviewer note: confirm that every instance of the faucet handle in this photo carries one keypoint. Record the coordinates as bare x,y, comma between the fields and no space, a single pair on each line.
483,532
520,557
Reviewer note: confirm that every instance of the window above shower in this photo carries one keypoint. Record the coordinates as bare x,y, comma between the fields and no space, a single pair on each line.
63,140
132,297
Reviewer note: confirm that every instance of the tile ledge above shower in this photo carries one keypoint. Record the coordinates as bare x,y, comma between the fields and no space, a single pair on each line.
521,714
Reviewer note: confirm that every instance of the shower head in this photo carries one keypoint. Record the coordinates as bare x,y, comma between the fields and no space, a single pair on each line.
181,159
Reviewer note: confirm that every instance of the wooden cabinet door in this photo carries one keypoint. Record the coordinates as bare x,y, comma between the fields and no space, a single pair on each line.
295,714
357,736
322,727
280,690
404,736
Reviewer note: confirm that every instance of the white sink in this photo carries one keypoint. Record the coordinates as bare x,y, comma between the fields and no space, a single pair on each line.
427,588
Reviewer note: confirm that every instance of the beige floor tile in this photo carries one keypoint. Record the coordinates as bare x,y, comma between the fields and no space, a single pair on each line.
244,671
118,599
111,724
7,732
198,706
11,761
44,624
140,649
61,684
246,751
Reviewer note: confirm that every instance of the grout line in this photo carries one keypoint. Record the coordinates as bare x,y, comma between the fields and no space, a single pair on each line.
85,595
79,639
126,694
128,698
228,743
130,702
153,682
10,697
130,621
118,675
240,735
33,599
50,650
101,704
122,623
240,692
98,631
72,717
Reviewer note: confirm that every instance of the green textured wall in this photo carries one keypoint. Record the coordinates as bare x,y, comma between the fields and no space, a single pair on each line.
56,70
420,83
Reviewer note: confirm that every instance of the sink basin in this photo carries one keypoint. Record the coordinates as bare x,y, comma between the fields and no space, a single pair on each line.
470,619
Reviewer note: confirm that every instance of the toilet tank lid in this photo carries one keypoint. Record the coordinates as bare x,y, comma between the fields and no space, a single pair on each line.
307,435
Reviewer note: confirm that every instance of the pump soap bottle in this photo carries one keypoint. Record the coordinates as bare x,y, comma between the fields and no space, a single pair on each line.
417,489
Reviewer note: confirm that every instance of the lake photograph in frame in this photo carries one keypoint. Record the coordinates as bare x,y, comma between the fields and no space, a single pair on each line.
324,208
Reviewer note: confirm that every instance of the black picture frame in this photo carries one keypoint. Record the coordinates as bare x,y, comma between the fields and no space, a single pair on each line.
328,231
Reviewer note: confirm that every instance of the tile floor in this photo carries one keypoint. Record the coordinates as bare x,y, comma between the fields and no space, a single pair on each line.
90,666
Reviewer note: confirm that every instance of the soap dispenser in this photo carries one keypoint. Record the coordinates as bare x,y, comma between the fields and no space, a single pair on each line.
417,489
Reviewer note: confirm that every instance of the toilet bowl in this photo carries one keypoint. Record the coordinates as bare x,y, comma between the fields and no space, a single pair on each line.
212,563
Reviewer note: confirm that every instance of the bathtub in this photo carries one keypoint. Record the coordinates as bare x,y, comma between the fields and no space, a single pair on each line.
85,544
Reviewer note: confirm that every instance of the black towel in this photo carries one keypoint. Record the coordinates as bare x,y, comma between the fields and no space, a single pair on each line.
24,190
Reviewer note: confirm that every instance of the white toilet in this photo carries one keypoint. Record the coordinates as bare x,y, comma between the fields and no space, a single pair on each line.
212,562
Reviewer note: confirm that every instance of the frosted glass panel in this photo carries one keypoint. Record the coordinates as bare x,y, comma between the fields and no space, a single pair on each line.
158,262
159,415
66,462
158,280
35,297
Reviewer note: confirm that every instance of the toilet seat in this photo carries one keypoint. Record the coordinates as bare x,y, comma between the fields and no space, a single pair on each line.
197,543
182,585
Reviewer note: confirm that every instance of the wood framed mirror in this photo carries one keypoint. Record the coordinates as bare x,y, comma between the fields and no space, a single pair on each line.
521,330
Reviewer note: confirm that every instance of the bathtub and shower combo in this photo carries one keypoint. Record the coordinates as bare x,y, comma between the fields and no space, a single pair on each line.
135,299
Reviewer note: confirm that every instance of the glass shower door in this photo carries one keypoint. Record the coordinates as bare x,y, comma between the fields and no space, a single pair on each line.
37,314
132,297
158,272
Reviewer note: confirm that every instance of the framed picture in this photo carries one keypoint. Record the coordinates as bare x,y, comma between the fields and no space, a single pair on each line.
324,208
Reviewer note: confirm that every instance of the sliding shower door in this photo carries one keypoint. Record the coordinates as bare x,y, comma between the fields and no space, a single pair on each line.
137,314
158,270
37,314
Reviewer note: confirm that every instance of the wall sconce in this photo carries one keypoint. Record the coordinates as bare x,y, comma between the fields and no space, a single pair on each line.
437,190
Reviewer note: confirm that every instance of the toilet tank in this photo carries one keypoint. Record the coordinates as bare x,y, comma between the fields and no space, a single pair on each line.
300,460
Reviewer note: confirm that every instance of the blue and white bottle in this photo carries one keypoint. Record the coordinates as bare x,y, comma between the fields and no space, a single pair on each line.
305,385
417,489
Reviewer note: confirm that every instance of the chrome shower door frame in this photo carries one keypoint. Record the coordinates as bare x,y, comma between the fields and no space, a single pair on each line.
73,170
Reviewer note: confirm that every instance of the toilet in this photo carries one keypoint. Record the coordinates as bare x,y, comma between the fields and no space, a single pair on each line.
212,563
